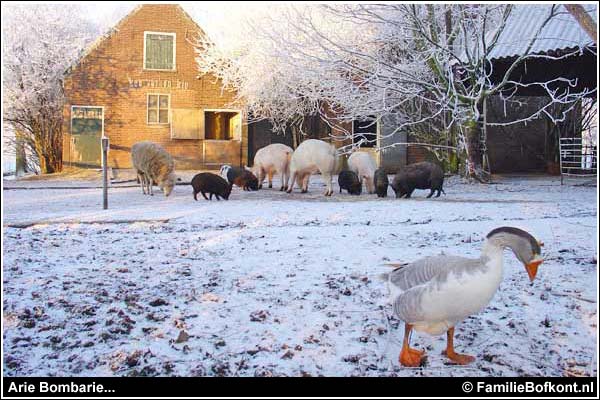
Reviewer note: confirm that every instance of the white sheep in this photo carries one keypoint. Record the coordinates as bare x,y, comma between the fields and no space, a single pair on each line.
363,165
272,159
310,157
153,164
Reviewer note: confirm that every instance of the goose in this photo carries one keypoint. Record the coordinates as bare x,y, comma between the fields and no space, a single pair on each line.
435,293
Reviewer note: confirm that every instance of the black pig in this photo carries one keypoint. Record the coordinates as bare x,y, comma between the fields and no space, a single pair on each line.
423,175
381,182
348,180
211,183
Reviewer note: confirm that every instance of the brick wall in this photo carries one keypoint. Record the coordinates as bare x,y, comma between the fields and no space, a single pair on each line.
112,76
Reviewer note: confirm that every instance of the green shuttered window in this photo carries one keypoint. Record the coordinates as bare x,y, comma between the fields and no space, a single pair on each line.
159,51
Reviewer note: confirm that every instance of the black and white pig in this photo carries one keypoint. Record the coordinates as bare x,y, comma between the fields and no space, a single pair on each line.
348,180
422,175
242,177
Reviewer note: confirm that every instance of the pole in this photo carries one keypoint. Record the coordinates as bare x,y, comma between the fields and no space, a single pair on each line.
105,173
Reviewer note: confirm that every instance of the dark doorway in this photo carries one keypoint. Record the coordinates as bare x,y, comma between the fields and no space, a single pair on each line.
260,134
364,131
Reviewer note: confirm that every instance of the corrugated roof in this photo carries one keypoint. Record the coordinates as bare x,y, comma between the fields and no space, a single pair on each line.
562,32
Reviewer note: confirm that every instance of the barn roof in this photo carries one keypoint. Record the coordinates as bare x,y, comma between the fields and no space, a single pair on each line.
561,33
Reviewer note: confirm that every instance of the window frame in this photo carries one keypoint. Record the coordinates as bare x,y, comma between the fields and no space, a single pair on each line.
227,110
85,106
73,106
158,109
174,35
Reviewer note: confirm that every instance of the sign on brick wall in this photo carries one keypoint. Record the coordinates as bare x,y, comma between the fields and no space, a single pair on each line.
158,83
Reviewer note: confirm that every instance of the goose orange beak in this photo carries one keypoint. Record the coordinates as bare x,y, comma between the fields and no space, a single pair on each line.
532,268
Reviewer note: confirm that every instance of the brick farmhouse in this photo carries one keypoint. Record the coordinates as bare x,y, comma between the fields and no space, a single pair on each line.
140,82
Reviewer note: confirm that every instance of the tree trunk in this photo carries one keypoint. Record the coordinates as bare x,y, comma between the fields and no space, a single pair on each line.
585,21
20,155
473,163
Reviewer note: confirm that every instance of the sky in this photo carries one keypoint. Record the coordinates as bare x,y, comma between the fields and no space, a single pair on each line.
214,17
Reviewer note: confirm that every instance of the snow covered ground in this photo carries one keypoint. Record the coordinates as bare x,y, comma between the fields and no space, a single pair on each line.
276,284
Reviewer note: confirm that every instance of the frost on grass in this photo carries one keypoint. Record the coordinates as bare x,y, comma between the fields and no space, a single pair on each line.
270,284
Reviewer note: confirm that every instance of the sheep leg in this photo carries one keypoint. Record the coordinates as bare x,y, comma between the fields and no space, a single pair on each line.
431,192
147,184
150,182
211,195
204,195
140,179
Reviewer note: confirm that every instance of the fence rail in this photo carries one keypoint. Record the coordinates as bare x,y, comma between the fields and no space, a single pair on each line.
578,159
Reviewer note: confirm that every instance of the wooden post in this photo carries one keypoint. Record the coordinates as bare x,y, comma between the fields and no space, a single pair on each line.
104,173
560,158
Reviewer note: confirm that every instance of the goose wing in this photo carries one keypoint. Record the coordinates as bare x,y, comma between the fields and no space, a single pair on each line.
411,281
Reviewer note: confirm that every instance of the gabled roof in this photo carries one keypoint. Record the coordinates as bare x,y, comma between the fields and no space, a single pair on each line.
108,34
562,32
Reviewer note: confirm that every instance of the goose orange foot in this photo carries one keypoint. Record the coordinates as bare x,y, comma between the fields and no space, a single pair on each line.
410,357
460,359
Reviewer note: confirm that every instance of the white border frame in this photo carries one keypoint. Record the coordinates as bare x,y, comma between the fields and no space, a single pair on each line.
174,35
224,110
158,109
71,130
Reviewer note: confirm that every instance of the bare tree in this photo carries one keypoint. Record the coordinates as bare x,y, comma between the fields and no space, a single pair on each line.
40,42
419,62
585,21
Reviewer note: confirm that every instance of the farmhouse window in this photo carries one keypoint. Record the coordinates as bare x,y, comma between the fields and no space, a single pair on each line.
364,132
159,51
158,108
222,125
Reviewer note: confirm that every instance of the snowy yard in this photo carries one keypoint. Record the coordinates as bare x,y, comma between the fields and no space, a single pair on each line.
276,284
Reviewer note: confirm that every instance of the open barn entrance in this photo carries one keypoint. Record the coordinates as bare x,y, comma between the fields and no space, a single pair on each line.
260,134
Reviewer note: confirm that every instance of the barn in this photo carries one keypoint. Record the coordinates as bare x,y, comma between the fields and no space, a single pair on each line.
140,82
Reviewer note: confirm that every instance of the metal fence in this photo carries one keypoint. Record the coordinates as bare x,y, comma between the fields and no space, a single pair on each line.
578,159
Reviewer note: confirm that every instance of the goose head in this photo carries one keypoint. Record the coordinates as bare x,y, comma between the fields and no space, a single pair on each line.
525,247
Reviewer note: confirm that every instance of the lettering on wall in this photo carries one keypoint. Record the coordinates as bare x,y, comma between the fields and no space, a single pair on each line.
158,84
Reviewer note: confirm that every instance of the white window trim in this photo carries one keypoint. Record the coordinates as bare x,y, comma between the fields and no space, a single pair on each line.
223,110
158,109
146,33
71,127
